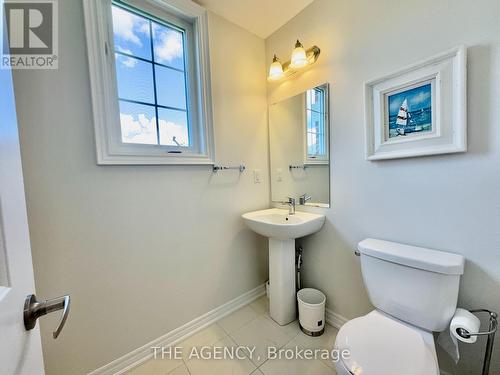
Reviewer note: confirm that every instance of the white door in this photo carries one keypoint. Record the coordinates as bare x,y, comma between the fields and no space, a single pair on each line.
20,350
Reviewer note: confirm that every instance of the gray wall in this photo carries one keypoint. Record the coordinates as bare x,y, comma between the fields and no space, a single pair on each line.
444,202
141,249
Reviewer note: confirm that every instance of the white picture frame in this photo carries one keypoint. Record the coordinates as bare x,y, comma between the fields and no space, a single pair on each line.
432,116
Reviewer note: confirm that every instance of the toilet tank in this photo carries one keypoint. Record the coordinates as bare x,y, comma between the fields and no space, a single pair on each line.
413,284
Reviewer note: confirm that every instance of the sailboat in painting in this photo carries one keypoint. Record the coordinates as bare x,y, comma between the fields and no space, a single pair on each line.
404,121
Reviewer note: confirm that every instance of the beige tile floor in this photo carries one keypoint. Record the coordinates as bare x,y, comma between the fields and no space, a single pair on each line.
249,326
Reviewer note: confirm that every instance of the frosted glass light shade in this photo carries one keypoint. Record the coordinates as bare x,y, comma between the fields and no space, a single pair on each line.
275,70
299,57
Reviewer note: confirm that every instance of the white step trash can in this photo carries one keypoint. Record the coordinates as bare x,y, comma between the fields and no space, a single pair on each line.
311,311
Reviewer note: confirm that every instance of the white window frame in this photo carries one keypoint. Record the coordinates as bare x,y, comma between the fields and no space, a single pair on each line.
100,45
325,159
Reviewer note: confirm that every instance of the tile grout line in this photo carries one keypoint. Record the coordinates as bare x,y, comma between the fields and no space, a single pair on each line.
237,329
207,343
229,335
289,341
259,314
232,339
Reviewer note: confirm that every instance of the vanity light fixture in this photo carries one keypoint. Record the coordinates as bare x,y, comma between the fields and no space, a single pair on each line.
276,70
301,58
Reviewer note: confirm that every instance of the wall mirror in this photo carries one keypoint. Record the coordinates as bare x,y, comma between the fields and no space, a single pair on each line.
299,130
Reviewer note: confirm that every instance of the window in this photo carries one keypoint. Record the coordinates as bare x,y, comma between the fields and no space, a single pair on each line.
150,82
316,126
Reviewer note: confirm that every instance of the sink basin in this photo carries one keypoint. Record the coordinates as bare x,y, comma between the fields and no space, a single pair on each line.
282,230
277,223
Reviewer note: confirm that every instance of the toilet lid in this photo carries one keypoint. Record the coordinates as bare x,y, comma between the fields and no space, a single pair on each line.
379,345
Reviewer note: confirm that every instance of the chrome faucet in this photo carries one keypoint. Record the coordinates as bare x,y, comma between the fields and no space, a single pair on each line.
291,205
303,199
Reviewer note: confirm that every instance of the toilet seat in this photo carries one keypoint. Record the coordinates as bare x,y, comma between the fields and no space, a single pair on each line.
380,344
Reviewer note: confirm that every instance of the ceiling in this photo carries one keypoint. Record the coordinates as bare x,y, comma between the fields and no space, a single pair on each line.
261,17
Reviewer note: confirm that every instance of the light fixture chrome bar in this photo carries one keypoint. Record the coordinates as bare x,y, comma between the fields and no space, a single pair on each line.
312,55
240,167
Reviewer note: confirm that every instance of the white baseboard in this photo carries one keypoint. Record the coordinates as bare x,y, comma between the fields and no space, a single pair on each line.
334,319
144,353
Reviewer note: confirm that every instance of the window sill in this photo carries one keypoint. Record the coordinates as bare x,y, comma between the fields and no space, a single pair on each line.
153,160
316,162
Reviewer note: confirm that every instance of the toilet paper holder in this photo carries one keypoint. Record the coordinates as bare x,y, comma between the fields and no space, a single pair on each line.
493,325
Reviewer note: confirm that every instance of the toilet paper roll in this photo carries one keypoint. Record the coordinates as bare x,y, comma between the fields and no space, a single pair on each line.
450,344
464,319
448,339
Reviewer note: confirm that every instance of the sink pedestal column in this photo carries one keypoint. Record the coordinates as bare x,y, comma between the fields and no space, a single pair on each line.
282,292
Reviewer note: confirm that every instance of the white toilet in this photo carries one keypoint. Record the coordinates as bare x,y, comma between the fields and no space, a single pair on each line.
414,291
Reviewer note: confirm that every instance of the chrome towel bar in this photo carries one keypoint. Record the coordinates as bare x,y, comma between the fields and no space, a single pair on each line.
240,168
304,167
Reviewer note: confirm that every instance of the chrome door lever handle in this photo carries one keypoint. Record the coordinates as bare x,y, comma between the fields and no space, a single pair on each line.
33,309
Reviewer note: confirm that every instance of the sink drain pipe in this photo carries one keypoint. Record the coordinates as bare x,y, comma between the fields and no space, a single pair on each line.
298,264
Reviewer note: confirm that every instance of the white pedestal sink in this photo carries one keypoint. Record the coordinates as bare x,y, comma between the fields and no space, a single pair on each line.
282,230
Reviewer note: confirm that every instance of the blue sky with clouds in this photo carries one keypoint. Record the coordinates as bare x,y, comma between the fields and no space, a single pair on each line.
132,37
418,98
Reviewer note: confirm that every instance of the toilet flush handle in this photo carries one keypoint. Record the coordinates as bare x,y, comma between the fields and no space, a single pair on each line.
357,253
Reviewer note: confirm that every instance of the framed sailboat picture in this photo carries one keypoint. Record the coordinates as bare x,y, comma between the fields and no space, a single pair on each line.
409,111
420,110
